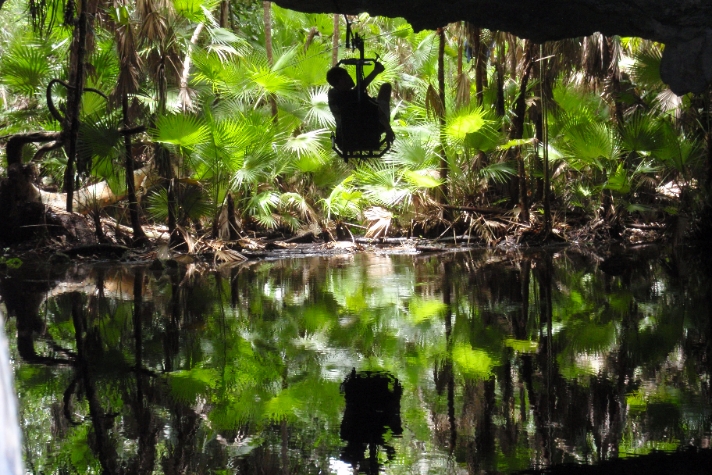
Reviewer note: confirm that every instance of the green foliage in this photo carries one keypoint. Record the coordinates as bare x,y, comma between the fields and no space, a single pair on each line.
24,66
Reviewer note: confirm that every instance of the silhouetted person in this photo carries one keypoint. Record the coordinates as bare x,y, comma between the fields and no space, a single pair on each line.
344,99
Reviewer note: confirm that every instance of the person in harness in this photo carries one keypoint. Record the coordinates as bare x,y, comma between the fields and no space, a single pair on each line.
360,120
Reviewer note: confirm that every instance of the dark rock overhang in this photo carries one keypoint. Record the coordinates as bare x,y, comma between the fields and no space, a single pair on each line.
684,26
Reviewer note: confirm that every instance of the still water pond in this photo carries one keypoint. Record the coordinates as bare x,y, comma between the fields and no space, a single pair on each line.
454,363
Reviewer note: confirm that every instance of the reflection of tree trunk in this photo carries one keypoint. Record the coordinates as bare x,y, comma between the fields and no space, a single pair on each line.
22,300
484,433
520,323
235,287
448,368
540,403
284,432
545,356
106,452
180,454
171,339
148,431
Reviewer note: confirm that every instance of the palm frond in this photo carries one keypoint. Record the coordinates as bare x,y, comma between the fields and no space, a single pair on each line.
413,153
182,130
299,203
590,145
498,172
645,68
307,143
318,112
24,68
641,133
343,201
467,120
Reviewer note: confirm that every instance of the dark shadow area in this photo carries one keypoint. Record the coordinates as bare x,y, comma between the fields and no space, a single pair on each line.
371,418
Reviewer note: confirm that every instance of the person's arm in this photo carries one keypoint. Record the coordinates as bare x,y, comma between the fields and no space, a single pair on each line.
378,68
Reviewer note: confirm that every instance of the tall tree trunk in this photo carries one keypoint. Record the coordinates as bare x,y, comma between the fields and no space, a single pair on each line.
480,62
443,195
708,136
335,41
267,16
224,14
74,96
499,66
517,130
138,235
231,219
546,192
460,47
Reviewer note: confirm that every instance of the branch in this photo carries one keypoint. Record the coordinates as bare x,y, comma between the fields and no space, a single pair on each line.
132,130
50,103
46,148
17,141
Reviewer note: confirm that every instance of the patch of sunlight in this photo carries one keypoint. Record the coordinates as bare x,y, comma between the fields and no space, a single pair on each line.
472,362
422,310
522,346
338,467
647,448
581,365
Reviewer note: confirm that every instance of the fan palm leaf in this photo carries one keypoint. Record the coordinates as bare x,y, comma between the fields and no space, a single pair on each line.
184,131
24,67
591,145
344,201
641,133
317,106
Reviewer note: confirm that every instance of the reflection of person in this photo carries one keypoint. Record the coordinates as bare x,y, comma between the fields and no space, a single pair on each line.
343,93
372,411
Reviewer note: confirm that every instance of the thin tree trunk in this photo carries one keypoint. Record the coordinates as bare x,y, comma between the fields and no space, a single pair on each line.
138,234
441,92
708,135
335,41
231,219
267,15
546,192
479,70
186,100
517,130
500,80
460,47
224,13
74,98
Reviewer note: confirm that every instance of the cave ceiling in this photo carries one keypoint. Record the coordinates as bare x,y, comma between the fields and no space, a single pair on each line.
684,26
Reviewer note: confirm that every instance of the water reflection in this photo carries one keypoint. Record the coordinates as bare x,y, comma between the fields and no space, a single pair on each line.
494,363
371,418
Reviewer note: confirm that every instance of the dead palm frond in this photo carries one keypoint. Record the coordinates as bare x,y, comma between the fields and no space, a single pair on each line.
379,220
